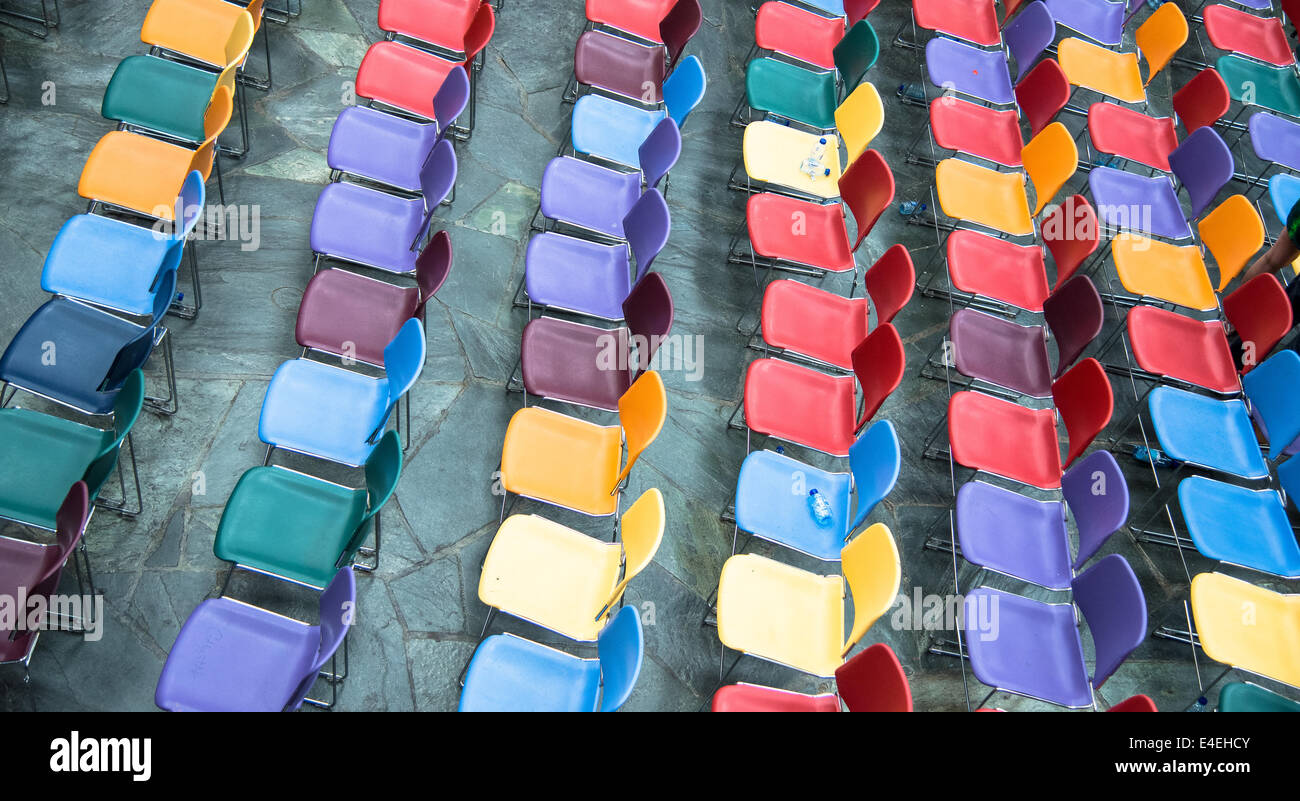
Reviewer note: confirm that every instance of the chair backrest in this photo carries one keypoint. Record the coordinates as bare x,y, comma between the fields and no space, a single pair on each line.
1029,35
1203,100
857,10
69,524
659,152
437,175
872,568
404,360
189,204
1097,494
679,26
126,410
450,100
1051,159
432,267
641,411
856,53
1010,7
383,471
642,530
1075,315
875,460
1204,165
1137,703
1260,312
1288,475
215,119
133,355
1161,37
1042,94
890,282
1111,599
480,32
1085,402
867,188
337,610
621,649
878,363
648,312
241,39
1071,234
1272,388
684,89
859,119
647,226
874,681
1233,233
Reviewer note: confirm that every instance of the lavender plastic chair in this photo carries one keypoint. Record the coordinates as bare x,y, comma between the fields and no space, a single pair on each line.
1100,20
1031,648
982,74
1275,140
233,657
1029,35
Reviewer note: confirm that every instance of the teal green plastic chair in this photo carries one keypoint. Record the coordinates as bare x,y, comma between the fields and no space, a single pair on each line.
303,529
1254,83
43,455
1245,697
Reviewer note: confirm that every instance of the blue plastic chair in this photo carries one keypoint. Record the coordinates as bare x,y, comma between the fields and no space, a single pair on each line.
608,129
1206,432
115,264
1283,193
511,674
1272,388
337,414
1242,526
772,494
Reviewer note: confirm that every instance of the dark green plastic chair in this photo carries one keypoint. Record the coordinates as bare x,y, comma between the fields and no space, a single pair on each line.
1254,83
1244,697
41,456
302,528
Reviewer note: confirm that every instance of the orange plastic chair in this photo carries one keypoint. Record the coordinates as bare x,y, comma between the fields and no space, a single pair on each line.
1051,159
1165,272
1233,233
214,32
1119,75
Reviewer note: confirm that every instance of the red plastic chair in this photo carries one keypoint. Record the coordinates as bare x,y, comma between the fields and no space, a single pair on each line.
974,21
816,410
1138,703
1202,101
440,23
890,283
756,698
1131,134
803,35
1261,38
1182,348
983,265
874,681
1041,95
1260,312
641,18
981,131
1071,234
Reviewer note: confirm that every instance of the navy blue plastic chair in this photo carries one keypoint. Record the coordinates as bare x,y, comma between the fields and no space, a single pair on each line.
608,129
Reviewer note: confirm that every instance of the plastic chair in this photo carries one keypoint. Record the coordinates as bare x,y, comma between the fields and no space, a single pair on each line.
1245,697
511,674
1254,84
1274,141
1260,312
981,74
1202,101
1041,95
1169,345
233,657
1137,703
1270,387
816,410
981,131
1036,649
1233,233
871,681
1128,134
641,18
768,148
630,69
443,24
406,78
1260,38
767,507
859,119
1164,272
1102,21
975,22
1119,75
1242,526
611,130
1071,234
1028,36
1200,431
803,35
795,618
573,464
303,529
1051,160
1260,643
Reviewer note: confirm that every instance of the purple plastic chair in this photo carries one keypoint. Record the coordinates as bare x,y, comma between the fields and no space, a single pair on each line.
1029,35
233,657
620,66
590,366
586,195
1100,20
583,277
366,226
1275,140
1035,649
968,70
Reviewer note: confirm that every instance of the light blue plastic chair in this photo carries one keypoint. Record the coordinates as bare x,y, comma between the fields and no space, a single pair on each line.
1207,433
1283,193
1272,388
511,674
612,130
1241,526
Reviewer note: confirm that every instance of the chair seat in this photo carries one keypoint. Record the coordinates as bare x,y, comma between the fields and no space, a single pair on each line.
998,269
323,410
1032,649
289,524
768,508
1005,439
232,657
106,262
1130,134
781,613
821,241
1275,139
612,130
576,363
985,197
43,456
1100,20
798,33
1261,38
1165,272
974,22
1241,697
621,66
978,130
1009,533
161,95
366,226
550,575
382,147
340,307
789,91
1001,352
1214,434
637,17
813,322
403,77
574,274
982,74
511,674
1182,348
1239,526
774,154
1265,643
441,23
561,460
753,698
1105,71
801,405
1273,88
589,196
199,30
1134,202
136,172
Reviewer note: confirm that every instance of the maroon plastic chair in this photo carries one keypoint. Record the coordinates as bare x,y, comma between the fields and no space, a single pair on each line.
1260,313
354,316
630,69
890,283
1071,234
874,681
1202,101
1041,95
1075,315
590,366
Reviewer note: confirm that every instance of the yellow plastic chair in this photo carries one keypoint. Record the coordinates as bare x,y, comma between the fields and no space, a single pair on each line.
774,154
213,32
1152,269
1233,233
1051,159
783,614
144,174
567,462
1248,627
1119,75
859,119
985,197
562,579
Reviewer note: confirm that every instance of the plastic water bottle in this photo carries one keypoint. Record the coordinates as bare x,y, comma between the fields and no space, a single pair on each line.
812,166
1201,705
821,508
